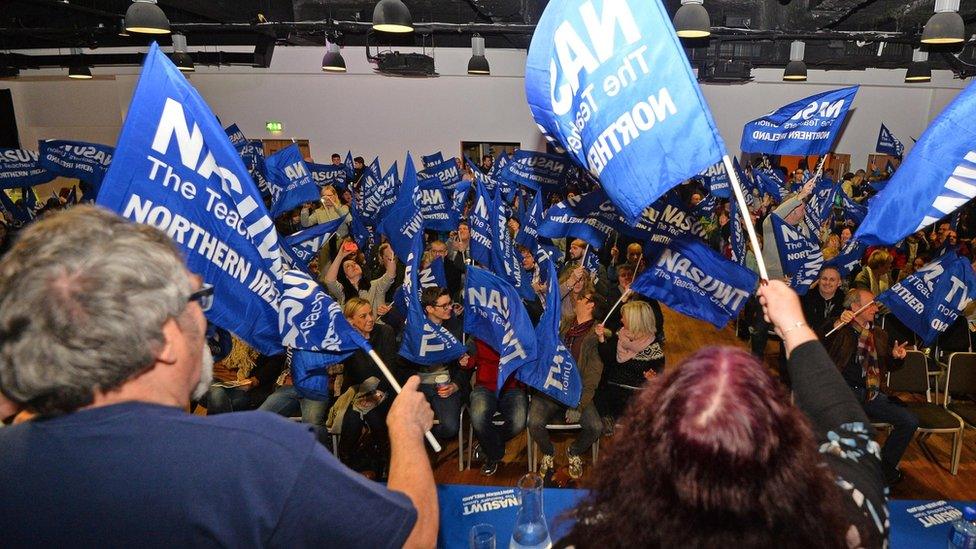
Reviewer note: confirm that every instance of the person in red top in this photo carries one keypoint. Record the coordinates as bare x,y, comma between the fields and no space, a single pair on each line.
485,401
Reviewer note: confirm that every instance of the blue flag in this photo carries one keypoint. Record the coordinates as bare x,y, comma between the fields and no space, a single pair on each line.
737,237
672,221
22,168
436,205
536,170
252,153
929,300
446,173
305,245
289,180
176,169
819,208
888,143
554,373
459,199
848,258
361,232
498,166
377,198
706,208
693,279
614,88
432,160
749,189
934,180
852,210
528,234
77,159
717,178
575,217
801,257
309,369
480,221
507,262
404,220
236,136
494,313
350,167
423,341
21,215
433,275
328,174
770,183
805,127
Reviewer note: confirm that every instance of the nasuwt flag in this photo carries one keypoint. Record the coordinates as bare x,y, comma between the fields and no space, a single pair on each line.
737,237
480,221
494,313
175,169
672,221
800,256
528,233
309,369
289,180
929,300
424,342
433,275
693,279
536,170
21,215
361,232
404,220
446,173
805,127
611,83
717,179
377,199
252,153
305,245
22,168
888,143
328,174
350,166
436,205
554,372
848,258
432,160
852,210
508,261
935,179
748,185
770,183
575,217
77,159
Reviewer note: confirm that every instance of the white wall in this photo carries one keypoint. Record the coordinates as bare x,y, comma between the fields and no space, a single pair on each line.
380,115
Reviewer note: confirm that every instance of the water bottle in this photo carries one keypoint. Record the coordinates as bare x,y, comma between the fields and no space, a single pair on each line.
962,534
531,530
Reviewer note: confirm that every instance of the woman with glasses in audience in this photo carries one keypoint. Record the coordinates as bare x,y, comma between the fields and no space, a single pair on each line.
715,455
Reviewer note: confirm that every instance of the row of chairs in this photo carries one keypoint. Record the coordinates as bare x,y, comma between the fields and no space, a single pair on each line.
923,375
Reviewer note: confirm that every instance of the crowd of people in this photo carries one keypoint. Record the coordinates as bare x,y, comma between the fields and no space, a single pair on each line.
694,417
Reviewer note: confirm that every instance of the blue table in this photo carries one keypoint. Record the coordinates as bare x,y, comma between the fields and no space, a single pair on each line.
915,524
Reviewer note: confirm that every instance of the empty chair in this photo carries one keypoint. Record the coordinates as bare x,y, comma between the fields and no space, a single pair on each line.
961,380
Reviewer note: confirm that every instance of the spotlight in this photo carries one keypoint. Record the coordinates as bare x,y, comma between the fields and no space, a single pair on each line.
333,61
478,64
180,58
691,20
392,16
78,70
919,70
946,26
145,17
796,69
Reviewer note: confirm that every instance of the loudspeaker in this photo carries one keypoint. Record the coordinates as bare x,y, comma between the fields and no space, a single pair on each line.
9,138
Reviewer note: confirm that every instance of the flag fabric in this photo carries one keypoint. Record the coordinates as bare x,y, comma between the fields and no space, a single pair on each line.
498,166
446,173
305,245
377,198
888,143
494,313
848,258
591,261
328,174
640,134
693,279
436,206
819,208
933,180
507,261
852,210
459,200
429,277
215,215
309,369
21,215
289,180
528,233
747,183
800,256
574,217
929,300
536,170
363,233
423,341
350,167
770,183
480,222
22,168
404,220
706,208
252,153
672,221
554,373
805,127
737,237
432,160
717,179
77,159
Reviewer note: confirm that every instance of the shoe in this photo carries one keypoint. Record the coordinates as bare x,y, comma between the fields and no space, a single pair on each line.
546,465
575,466
476,453
489,468
893,477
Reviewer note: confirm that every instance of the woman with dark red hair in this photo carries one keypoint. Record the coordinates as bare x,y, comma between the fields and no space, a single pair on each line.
712,454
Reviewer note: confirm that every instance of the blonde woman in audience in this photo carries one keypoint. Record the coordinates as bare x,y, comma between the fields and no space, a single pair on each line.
876,274
831,248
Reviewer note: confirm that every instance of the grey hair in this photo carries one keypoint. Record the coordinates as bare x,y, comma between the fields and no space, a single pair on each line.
84,295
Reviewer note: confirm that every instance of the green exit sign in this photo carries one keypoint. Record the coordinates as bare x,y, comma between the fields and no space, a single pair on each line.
274,126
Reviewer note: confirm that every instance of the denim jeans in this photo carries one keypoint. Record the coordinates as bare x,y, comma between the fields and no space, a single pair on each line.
903,426
221,400
543,410
286,402
447,411
512,404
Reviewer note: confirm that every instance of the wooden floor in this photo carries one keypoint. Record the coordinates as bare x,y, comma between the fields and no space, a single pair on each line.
923,478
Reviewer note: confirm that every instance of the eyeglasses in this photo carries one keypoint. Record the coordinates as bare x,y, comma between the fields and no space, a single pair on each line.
447,305
204,296
583,298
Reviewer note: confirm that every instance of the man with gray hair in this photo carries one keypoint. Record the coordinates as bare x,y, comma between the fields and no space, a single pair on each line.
102,337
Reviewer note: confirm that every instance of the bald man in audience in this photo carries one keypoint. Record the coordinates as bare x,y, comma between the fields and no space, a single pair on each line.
102,336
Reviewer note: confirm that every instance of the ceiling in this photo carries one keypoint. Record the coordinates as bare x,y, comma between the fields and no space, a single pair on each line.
840,34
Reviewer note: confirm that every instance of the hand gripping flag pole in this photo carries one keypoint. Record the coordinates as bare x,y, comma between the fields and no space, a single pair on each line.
396,387
842,324
612,309
746,219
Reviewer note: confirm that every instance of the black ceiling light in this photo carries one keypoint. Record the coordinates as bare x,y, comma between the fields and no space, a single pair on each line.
78,70
122,31
478,64
392,16
692,20
796,69
919,70
180,57
145,17
333,61
946,26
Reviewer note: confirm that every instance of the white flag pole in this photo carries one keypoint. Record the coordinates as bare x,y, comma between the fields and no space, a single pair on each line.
857,312
396,387
746,218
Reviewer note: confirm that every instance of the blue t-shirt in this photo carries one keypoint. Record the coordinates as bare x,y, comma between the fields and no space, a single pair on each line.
144,475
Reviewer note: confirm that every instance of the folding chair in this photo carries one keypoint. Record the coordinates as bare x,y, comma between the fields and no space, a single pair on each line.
961,380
